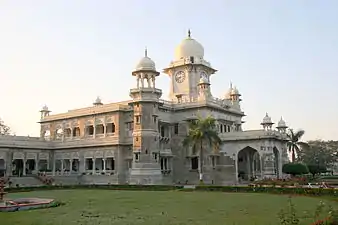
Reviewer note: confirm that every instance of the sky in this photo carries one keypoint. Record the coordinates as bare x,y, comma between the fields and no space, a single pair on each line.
281,55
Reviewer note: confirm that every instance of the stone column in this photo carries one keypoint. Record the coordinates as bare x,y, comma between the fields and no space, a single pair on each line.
8,163
37,165
53,169
236,168
70,166
104,165
24,167
94,166
61,166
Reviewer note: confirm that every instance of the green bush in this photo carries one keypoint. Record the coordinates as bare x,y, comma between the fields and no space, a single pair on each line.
316,169
295,169
241,189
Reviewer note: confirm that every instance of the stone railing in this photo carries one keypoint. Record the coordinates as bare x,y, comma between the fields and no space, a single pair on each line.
224,103
252,134
24,142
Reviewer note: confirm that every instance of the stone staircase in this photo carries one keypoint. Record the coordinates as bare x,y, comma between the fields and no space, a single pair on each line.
27,181
66,180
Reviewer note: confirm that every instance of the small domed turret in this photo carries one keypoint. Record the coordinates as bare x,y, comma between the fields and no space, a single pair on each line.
267,122
282,126
97,101
44,111
203,80
146,63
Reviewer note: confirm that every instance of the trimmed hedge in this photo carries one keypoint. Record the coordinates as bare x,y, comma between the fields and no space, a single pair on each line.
245,189
104,187
272,190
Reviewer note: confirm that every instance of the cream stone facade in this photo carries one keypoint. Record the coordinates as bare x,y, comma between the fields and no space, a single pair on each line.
139,141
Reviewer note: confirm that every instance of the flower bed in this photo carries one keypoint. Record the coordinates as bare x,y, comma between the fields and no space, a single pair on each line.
292,182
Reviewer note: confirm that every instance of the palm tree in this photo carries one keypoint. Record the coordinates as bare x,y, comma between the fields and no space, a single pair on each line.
201,132
294,144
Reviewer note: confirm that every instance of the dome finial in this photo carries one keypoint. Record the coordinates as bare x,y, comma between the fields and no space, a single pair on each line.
189,33
146,52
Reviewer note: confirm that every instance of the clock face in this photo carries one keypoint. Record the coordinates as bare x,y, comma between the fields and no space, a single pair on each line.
203,75
180,76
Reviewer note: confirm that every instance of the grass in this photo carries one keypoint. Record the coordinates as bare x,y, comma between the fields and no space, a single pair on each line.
107,207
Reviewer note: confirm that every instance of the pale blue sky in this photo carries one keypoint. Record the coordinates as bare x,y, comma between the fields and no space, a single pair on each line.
282,55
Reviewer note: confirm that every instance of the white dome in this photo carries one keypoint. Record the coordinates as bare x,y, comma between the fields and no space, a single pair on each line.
267,119
98,101
203,80
45,108
281,123
235,91
145,63
189,47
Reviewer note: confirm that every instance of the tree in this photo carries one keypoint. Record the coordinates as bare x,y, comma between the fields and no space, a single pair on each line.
318,155
295,169
294,144
316,169
202,133
4,129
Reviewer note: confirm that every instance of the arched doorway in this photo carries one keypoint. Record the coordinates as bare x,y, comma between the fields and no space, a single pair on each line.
2,167
18,167
276,161
248,164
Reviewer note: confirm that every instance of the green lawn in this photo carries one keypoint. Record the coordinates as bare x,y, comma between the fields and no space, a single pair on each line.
155,208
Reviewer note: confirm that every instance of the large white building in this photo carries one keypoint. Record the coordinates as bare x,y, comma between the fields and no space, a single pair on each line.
140,140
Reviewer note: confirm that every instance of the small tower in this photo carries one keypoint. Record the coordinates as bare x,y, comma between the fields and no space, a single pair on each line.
282,126
97,101
235,95
204,89
267,122
146,147
228,93
44,112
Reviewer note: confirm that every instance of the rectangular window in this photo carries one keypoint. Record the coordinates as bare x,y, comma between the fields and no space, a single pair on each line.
162,131
194,163
138,119
137,157
154,117
176,128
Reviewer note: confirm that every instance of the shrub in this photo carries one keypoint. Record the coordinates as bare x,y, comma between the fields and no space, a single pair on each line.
316,169
295,169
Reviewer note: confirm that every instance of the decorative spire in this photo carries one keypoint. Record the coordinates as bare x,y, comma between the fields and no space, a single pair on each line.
230,85
146,52
189,33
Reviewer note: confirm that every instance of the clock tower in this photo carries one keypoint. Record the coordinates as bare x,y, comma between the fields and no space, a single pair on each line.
187,69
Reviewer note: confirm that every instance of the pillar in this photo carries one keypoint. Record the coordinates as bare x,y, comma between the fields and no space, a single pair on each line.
24,167
53,169
94,166
70,166
37,165
61,166
104,165
236,168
